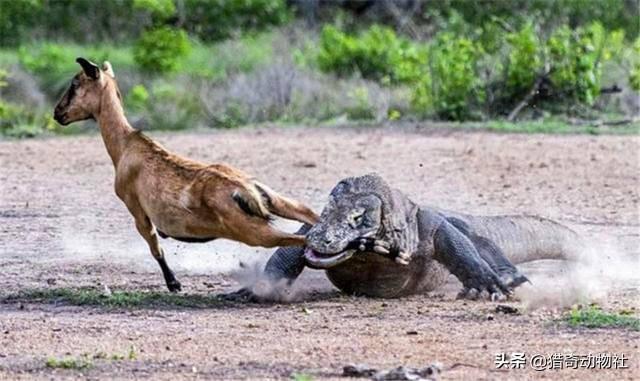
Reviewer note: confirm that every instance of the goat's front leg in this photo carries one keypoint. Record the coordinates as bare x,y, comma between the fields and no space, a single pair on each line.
148,232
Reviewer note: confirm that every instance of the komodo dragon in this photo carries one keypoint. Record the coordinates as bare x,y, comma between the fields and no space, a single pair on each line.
373,240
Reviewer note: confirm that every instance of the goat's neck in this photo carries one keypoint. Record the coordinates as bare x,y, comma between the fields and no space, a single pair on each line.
113,124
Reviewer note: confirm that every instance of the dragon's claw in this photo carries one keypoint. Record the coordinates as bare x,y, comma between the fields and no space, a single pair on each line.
494,290
381,250
498,297
468,293
403,258
376,245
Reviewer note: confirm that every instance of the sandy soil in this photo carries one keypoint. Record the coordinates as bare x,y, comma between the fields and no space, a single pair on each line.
61,225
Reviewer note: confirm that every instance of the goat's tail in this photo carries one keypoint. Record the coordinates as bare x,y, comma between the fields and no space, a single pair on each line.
251,201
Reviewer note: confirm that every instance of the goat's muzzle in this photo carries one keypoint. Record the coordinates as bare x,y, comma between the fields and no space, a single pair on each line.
60,117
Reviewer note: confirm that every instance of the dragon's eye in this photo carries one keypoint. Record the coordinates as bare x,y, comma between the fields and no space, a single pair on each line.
357,218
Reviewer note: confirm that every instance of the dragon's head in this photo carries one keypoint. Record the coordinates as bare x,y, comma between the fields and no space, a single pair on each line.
360,207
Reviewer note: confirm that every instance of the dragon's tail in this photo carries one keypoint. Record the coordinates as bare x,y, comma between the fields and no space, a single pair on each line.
529,238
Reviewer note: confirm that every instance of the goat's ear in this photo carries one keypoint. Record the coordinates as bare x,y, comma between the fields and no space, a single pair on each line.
106,68
90,69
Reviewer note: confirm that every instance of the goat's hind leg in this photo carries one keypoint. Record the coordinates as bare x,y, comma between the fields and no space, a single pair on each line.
285,207
147,231
260,233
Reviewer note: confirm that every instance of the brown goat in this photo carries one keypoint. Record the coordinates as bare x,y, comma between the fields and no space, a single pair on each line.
175,196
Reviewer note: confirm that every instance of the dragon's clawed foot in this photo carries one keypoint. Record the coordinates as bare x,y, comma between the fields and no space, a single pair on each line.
475,294
486,285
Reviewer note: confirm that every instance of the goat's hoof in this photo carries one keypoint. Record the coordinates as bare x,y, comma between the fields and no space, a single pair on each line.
174,286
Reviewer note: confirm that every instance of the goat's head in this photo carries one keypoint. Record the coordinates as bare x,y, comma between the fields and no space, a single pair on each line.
82,99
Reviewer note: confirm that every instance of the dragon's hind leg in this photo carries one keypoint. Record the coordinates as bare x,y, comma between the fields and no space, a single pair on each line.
492,254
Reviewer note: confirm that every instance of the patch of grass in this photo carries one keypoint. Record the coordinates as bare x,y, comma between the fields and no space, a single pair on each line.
594,317
301,377
130,355
117,299
531,127
557,127
68,363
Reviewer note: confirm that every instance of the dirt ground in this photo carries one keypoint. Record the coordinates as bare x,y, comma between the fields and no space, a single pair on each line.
62,226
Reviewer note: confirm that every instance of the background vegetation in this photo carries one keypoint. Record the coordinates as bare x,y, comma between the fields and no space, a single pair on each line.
216,63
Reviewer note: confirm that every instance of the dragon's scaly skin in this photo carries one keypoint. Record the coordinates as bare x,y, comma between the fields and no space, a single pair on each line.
368,232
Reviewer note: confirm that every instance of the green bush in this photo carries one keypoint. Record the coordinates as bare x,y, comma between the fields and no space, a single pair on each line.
3,78
634,73
233,115
160,50
21,122
344,54
576,57
123,20
166,107
137,98
212,20
613,14
454,86
571,59
17,17
378,53
524,61
160,9
444,76
52,64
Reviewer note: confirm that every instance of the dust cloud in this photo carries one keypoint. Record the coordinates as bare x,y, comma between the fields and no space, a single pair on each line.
251,277
600,267
86,242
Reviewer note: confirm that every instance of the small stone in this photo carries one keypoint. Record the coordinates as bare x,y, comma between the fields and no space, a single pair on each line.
489,317
305,164
358,370
506,309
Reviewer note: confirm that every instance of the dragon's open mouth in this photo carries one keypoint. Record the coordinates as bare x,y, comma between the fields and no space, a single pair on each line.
324,261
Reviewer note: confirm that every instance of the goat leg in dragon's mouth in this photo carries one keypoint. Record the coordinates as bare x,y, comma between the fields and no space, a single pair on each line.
320,260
